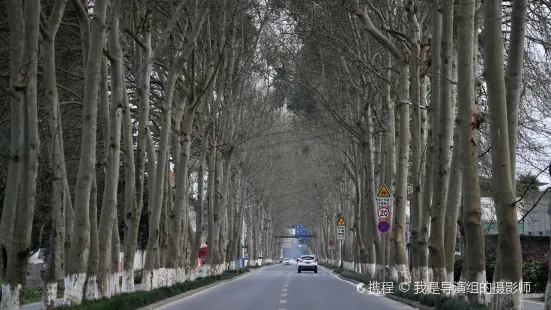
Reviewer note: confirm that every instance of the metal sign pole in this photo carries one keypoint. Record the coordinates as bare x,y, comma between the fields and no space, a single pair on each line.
383,239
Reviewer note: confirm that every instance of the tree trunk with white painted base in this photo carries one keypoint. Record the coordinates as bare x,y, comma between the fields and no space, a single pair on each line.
437,260
75,274
56,156
109,202
114,275
19,249
91,285
155,204
91,288
505,200
133,210
132,213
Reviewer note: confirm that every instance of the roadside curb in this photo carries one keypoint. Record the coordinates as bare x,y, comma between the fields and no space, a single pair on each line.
406,301
197,290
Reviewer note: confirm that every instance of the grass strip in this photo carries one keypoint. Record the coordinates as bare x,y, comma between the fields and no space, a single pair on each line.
136,300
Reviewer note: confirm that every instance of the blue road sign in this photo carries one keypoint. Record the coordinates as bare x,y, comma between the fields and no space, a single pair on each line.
299,230
383,226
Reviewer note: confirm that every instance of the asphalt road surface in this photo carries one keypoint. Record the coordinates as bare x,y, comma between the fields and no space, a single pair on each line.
282,288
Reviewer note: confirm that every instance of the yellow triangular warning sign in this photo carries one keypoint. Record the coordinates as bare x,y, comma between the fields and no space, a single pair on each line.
383,192
340,222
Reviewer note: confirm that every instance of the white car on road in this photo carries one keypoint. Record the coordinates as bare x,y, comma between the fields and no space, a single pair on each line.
287,261
307,262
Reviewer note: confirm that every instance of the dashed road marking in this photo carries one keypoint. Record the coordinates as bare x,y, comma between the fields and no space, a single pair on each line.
283,301
285,290
285,284
284,295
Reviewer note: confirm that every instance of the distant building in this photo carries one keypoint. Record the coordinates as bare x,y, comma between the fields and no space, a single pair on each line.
489,219
538,221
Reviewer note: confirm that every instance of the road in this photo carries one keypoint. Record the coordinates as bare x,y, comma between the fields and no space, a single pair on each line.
533,304
282,288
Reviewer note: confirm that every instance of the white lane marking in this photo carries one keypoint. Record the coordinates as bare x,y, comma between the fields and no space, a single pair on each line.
285,290
283,301
283,295
285,284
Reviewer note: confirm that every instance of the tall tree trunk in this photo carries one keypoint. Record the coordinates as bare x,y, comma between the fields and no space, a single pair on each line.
181,202
436,62
224,203
156,200
218,215
114,272
56,156
390,149
401,266
91,288
469,122
160,264
19,249
370,193
233,196
505,200
75,274
196,244
132,213
416,145
132,216
437,260
452,211
513,78
426,194
17,39
210,202
109,202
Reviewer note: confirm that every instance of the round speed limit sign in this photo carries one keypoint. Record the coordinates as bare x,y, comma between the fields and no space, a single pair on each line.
383,213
